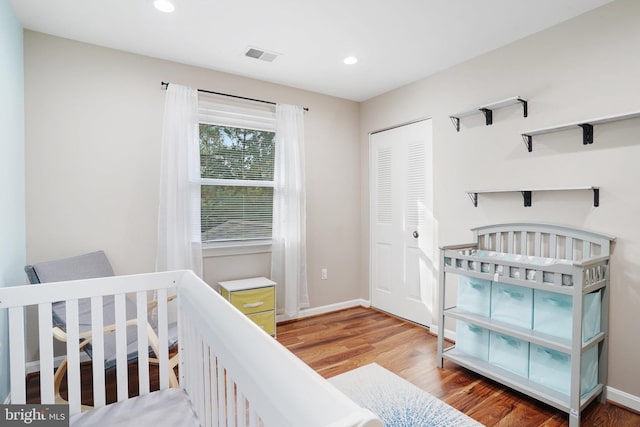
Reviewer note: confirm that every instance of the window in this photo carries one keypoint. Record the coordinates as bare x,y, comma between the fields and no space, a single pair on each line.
236,168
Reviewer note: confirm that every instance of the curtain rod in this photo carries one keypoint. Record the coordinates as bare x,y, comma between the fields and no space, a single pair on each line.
166,85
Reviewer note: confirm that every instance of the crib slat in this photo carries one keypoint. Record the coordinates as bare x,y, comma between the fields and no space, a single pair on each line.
253,421
143,343
187,361
242,409
231,408
206,391
73,356
553,243
510,242
199,364
586,249
211,402
537,245
499,242
122,375
45,328
97,351
16,338
163,338
220,396
523,242
569,248
215,409
204,377
186,358
208,398
195,369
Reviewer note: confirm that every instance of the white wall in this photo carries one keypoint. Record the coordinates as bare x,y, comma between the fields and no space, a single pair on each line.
584,68
12,219
93,125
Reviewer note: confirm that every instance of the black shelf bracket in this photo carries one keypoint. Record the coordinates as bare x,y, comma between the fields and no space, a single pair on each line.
488,116
456,122
474,199
525,107
587,133
528,141
596,197
526,196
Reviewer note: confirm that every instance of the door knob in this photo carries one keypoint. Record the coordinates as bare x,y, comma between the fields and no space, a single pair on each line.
415,234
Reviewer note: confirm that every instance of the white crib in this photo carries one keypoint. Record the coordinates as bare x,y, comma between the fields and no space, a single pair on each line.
231,373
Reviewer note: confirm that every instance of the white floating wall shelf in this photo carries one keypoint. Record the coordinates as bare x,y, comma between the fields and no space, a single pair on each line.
586,125
526,193
487,110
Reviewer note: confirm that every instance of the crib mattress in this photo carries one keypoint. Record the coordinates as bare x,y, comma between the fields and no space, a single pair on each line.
169,407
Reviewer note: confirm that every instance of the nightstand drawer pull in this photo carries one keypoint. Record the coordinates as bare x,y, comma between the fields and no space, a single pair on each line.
253,304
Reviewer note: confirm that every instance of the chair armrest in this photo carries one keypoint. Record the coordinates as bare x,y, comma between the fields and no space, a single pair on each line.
61,335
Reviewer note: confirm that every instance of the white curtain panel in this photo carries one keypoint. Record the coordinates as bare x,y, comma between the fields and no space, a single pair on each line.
289,247
179,241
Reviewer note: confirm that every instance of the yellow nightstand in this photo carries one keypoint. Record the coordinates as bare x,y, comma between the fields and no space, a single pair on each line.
256,298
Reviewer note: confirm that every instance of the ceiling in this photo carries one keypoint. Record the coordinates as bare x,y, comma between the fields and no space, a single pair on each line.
397,41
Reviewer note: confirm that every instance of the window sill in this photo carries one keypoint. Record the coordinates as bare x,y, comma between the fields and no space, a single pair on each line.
235,248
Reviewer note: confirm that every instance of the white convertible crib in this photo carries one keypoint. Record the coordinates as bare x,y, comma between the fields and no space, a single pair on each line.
230,372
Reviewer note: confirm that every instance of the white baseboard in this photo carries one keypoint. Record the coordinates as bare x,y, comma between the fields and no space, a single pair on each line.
623,398
324,309
448,334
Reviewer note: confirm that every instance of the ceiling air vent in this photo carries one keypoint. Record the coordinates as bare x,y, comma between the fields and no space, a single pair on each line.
261,54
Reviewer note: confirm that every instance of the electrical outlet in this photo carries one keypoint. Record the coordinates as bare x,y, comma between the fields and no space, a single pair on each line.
323,274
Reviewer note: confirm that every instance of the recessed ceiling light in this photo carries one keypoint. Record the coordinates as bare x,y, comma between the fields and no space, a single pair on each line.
164,6
350,60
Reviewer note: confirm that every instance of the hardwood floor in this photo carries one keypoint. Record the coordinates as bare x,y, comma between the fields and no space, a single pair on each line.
337,342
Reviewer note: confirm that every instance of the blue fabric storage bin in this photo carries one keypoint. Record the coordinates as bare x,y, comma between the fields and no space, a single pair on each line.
472,340
553,369
552,314
509,353
474,295
512,304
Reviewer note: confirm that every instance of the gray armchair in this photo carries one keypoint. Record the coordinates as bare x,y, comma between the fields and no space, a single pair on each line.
86,266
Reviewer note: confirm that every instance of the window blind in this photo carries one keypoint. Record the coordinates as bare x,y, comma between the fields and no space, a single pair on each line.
236,168
236,113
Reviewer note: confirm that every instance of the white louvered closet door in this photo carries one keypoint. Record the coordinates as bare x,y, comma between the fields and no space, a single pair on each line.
401,222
